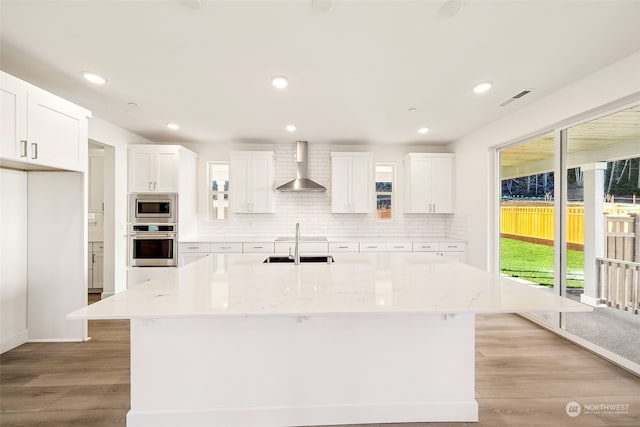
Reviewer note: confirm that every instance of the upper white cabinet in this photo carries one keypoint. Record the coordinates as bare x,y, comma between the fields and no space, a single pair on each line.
39,129
428,183
251,176
153,168
352,182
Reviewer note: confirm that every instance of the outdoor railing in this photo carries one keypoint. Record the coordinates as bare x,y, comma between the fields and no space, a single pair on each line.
619,284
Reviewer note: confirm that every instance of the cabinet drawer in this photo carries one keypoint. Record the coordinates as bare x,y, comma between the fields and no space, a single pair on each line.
195,247
398,247
453,247
371,247
426,247
226,247
98,247
344,247
249,247
305,247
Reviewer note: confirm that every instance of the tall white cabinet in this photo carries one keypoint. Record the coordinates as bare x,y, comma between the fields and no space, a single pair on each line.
251,178
428,181
44,141
352,182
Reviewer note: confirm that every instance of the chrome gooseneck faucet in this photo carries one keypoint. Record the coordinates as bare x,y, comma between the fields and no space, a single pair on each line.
296,254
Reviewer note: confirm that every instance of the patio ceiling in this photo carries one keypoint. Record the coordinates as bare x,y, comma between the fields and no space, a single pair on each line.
616,128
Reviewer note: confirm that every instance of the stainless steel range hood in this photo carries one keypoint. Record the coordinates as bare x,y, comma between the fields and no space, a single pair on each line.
301,183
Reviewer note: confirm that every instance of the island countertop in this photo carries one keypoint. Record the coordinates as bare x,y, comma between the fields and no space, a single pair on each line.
378,283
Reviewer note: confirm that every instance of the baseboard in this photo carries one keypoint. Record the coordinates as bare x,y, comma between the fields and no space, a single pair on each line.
460,411
13,341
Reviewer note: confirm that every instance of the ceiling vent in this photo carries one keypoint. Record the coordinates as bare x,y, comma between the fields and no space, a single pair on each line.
515,97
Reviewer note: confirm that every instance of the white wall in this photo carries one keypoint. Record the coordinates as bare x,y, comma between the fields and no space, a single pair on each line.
115,140
13,259
617,83
313,210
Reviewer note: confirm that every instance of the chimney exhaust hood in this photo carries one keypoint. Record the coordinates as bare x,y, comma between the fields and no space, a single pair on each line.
301,183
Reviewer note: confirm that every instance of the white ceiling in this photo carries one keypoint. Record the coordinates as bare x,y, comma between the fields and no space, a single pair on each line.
353,71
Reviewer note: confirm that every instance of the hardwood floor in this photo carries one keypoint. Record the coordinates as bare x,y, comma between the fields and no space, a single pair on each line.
525,376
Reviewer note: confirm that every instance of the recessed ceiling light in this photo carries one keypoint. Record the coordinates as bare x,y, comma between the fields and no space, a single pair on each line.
173,126
279,82
290,128
423,130
412,110
94,78
482,87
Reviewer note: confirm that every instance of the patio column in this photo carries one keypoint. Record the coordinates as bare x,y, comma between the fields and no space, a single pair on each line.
593,227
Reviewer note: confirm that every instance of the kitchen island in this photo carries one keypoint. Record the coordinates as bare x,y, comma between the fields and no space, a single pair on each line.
372,338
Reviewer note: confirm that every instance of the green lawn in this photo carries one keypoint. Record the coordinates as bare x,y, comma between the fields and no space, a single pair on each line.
533,262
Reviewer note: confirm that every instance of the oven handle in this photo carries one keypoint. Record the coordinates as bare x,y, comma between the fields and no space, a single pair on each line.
154,235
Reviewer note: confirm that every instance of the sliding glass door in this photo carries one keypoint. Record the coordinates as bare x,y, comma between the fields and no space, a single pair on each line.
570,224
603,237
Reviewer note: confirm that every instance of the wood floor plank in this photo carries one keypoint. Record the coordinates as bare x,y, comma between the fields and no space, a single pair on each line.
525,376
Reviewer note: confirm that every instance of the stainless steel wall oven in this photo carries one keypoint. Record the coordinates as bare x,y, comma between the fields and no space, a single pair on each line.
153,245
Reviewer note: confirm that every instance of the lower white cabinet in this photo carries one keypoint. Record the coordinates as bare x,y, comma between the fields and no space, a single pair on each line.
452,250
95,274
260,247
344,247
305,247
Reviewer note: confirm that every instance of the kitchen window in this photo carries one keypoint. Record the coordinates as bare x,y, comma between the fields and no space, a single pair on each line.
385,173
218,184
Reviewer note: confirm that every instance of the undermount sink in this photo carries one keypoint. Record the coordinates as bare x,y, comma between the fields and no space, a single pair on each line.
327,259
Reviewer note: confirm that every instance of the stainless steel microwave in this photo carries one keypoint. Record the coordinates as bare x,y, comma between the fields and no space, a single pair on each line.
153,208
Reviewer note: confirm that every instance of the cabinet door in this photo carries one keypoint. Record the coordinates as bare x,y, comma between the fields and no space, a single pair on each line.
165,175
140,170
96,183
57,134
98,270
361,185
418,195
341,184
442,185
261,187
239,169
13,118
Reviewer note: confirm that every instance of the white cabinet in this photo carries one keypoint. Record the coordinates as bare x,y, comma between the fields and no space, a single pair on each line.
153,168
95,276
251,176
98,266
39,129
258,247
352,182
428,183
303,247
344,247
452,250
96,180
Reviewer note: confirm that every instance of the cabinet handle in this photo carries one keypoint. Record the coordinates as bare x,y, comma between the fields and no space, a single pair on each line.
93,258
192,247
34,150
150,186
155,186
102,206
398,247
23,148
258,247
343,247
225,247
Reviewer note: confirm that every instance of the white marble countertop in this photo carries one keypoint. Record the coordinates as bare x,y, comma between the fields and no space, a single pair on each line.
379,283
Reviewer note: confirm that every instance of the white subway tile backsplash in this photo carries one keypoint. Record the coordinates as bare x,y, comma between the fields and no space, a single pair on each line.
313,210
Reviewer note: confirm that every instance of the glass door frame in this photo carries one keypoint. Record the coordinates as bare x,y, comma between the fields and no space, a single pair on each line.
560,131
